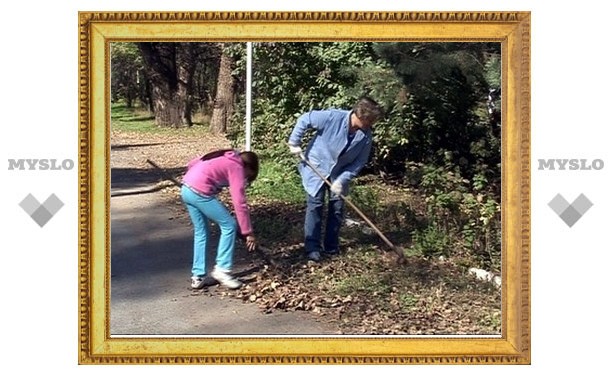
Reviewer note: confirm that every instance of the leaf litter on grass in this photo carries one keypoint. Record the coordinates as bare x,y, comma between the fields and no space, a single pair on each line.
364,294
362,290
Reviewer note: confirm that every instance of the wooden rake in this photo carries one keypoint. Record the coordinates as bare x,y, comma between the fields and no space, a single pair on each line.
401,258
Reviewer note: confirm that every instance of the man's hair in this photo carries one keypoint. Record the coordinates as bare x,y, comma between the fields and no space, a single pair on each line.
367,109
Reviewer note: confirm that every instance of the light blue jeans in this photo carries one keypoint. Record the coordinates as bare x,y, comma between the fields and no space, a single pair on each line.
202,209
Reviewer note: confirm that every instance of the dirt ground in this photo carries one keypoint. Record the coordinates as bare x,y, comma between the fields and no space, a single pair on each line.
361,292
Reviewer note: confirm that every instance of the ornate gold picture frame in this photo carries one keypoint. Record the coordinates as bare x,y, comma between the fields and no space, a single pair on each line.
98,29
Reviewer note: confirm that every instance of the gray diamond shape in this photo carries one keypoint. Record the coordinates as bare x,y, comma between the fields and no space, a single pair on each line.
570,216
582,204
570,213
558,204
53,204
41,216
29,204
41,213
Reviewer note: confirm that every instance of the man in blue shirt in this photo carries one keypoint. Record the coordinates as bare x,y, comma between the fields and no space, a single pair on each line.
339,150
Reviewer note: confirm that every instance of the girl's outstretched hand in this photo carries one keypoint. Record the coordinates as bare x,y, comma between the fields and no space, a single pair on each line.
251,243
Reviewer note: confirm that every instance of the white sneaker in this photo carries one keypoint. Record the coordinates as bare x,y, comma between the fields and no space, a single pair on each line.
225,278
197,282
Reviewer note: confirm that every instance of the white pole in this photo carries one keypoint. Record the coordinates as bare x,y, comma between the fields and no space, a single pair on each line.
248,96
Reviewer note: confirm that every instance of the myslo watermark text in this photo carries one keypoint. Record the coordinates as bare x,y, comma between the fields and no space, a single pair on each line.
40,164
570,164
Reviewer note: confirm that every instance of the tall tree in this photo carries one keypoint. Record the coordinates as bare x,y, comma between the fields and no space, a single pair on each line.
224,98
448,89
126,64
170,68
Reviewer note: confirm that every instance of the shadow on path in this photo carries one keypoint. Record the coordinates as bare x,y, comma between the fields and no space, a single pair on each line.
150,258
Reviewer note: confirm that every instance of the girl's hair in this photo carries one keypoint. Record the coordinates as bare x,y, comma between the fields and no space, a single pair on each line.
250,160
215,154
251,164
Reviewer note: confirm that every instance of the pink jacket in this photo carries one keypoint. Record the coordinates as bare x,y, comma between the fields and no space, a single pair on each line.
211,176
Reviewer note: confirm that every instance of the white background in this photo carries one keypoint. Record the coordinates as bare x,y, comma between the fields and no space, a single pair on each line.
570,117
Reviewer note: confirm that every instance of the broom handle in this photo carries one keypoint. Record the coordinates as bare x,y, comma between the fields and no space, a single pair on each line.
165,174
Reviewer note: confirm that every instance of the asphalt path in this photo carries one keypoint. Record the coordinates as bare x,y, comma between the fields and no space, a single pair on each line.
150,291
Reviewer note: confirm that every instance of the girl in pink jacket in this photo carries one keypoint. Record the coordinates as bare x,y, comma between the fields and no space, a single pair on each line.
206,176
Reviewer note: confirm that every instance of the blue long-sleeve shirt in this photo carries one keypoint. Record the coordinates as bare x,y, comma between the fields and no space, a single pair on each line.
325,148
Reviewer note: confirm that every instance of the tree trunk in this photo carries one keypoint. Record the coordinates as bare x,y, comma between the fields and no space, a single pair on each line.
168,107
224,99
170,67
146,95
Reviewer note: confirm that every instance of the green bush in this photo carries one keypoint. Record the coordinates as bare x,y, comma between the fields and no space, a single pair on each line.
433,241
277,181
461,214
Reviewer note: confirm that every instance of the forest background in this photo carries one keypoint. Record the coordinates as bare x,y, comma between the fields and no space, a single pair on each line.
433,181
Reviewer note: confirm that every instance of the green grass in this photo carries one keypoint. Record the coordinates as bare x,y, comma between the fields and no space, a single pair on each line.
132,119
491,320
277,182
140,120
407,301
366,198
363,284
370,278
277,230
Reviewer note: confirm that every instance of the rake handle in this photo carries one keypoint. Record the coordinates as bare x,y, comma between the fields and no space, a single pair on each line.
164,173
345,199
